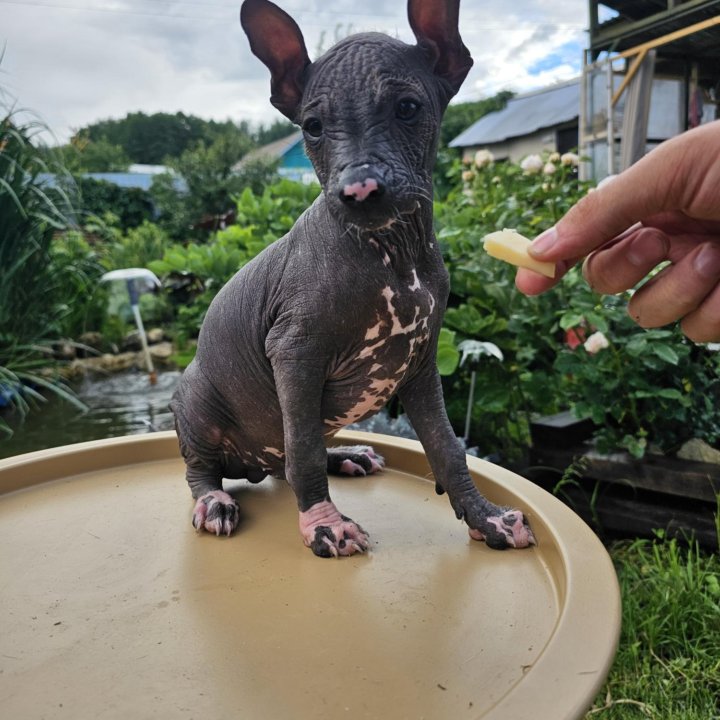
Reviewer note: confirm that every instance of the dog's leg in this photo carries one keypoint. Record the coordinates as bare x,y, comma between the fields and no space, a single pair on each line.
499,527
354,460
215,510
324,529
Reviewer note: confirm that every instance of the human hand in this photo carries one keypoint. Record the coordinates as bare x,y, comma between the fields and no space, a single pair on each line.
665,207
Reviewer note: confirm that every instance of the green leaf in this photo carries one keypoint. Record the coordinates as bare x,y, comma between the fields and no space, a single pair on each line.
448,356
571,319
666,353
669,393
636,346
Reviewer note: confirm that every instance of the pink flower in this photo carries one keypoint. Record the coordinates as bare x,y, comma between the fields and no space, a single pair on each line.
595,343
574,337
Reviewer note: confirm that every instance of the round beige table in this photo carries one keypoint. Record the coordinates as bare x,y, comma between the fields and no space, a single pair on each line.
114,607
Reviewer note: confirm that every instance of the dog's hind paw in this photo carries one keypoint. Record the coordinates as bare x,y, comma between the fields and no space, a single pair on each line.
216,512
354,460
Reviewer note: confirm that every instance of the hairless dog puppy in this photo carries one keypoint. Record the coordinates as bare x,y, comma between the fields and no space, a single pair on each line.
325,325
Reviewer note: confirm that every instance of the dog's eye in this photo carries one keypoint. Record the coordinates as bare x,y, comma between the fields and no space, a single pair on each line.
313,127
407,109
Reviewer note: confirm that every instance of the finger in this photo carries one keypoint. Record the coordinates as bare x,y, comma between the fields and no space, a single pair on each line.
679,289
674,176
622,265
679,223
703,324
529,282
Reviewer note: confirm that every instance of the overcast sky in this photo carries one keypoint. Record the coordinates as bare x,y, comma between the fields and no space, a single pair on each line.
74,62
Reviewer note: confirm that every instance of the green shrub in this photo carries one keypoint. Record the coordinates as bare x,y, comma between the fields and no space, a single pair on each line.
138,247
131,206
261,219
78,266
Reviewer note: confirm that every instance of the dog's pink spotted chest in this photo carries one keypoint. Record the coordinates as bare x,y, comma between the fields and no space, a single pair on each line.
389,346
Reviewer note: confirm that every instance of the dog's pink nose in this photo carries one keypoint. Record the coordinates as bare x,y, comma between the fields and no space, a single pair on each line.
361,190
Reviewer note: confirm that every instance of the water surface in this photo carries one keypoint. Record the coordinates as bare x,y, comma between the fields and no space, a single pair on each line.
122,404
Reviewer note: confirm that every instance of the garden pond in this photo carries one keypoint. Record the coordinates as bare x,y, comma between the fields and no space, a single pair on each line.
122,404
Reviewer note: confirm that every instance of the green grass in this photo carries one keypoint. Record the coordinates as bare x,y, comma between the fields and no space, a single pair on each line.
668,661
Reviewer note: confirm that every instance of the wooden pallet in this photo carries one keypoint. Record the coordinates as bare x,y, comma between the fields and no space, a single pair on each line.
621,496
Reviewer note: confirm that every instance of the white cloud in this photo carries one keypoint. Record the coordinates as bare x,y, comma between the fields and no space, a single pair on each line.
85,60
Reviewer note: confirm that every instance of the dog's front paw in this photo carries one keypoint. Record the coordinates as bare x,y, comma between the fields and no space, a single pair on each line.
216,512
507,529
329,534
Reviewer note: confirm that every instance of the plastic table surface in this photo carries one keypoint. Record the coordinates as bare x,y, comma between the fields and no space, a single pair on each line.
114,607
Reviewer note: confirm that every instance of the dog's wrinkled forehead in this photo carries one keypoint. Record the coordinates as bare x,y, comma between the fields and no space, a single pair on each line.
369,65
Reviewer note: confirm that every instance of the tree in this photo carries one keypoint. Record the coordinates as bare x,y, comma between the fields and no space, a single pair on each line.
461,116
264,135
132,206
153,138
211,185
83,155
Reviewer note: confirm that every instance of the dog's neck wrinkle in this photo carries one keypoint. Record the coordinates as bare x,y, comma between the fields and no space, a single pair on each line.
404,242
400,245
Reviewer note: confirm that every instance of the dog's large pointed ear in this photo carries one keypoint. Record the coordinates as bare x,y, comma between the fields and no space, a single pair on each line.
435,24
276,39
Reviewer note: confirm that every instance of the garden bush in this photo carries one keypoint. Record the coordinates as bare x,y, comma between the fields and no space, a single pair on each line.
262,218
132,206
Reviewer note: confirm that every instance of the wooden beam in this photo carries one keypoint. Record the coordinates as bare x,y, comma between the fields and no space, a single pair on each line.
632,70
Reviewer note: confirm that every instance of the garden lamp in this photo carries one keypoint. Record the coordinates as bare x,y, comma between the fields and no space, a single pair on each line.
473,350
138,281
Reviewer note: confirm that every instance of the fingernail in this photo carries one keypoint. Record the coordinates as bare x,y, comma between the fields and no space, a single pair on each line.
645,251
543,242
707,261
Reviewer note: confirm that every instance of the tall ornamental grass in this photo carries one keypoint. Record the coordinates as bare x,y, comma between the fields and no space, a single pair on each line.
30,214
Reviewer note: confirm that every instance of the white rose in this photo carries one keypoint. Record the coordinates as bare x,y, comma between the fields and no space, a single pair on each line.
595,343
483,158
532,164
549,168
554,157
468,175
569,159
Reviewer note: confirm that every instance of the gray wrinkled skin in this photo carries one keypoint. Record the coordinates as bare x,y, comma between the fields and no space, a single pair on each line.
330,321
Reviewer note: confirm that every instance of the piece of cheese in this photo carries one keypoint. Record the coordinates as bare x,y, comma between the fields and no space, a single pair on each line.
512,247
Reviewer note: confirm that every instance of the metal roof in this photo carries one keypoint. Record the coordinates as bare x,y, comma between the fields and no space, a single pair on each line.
273,150
525,114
